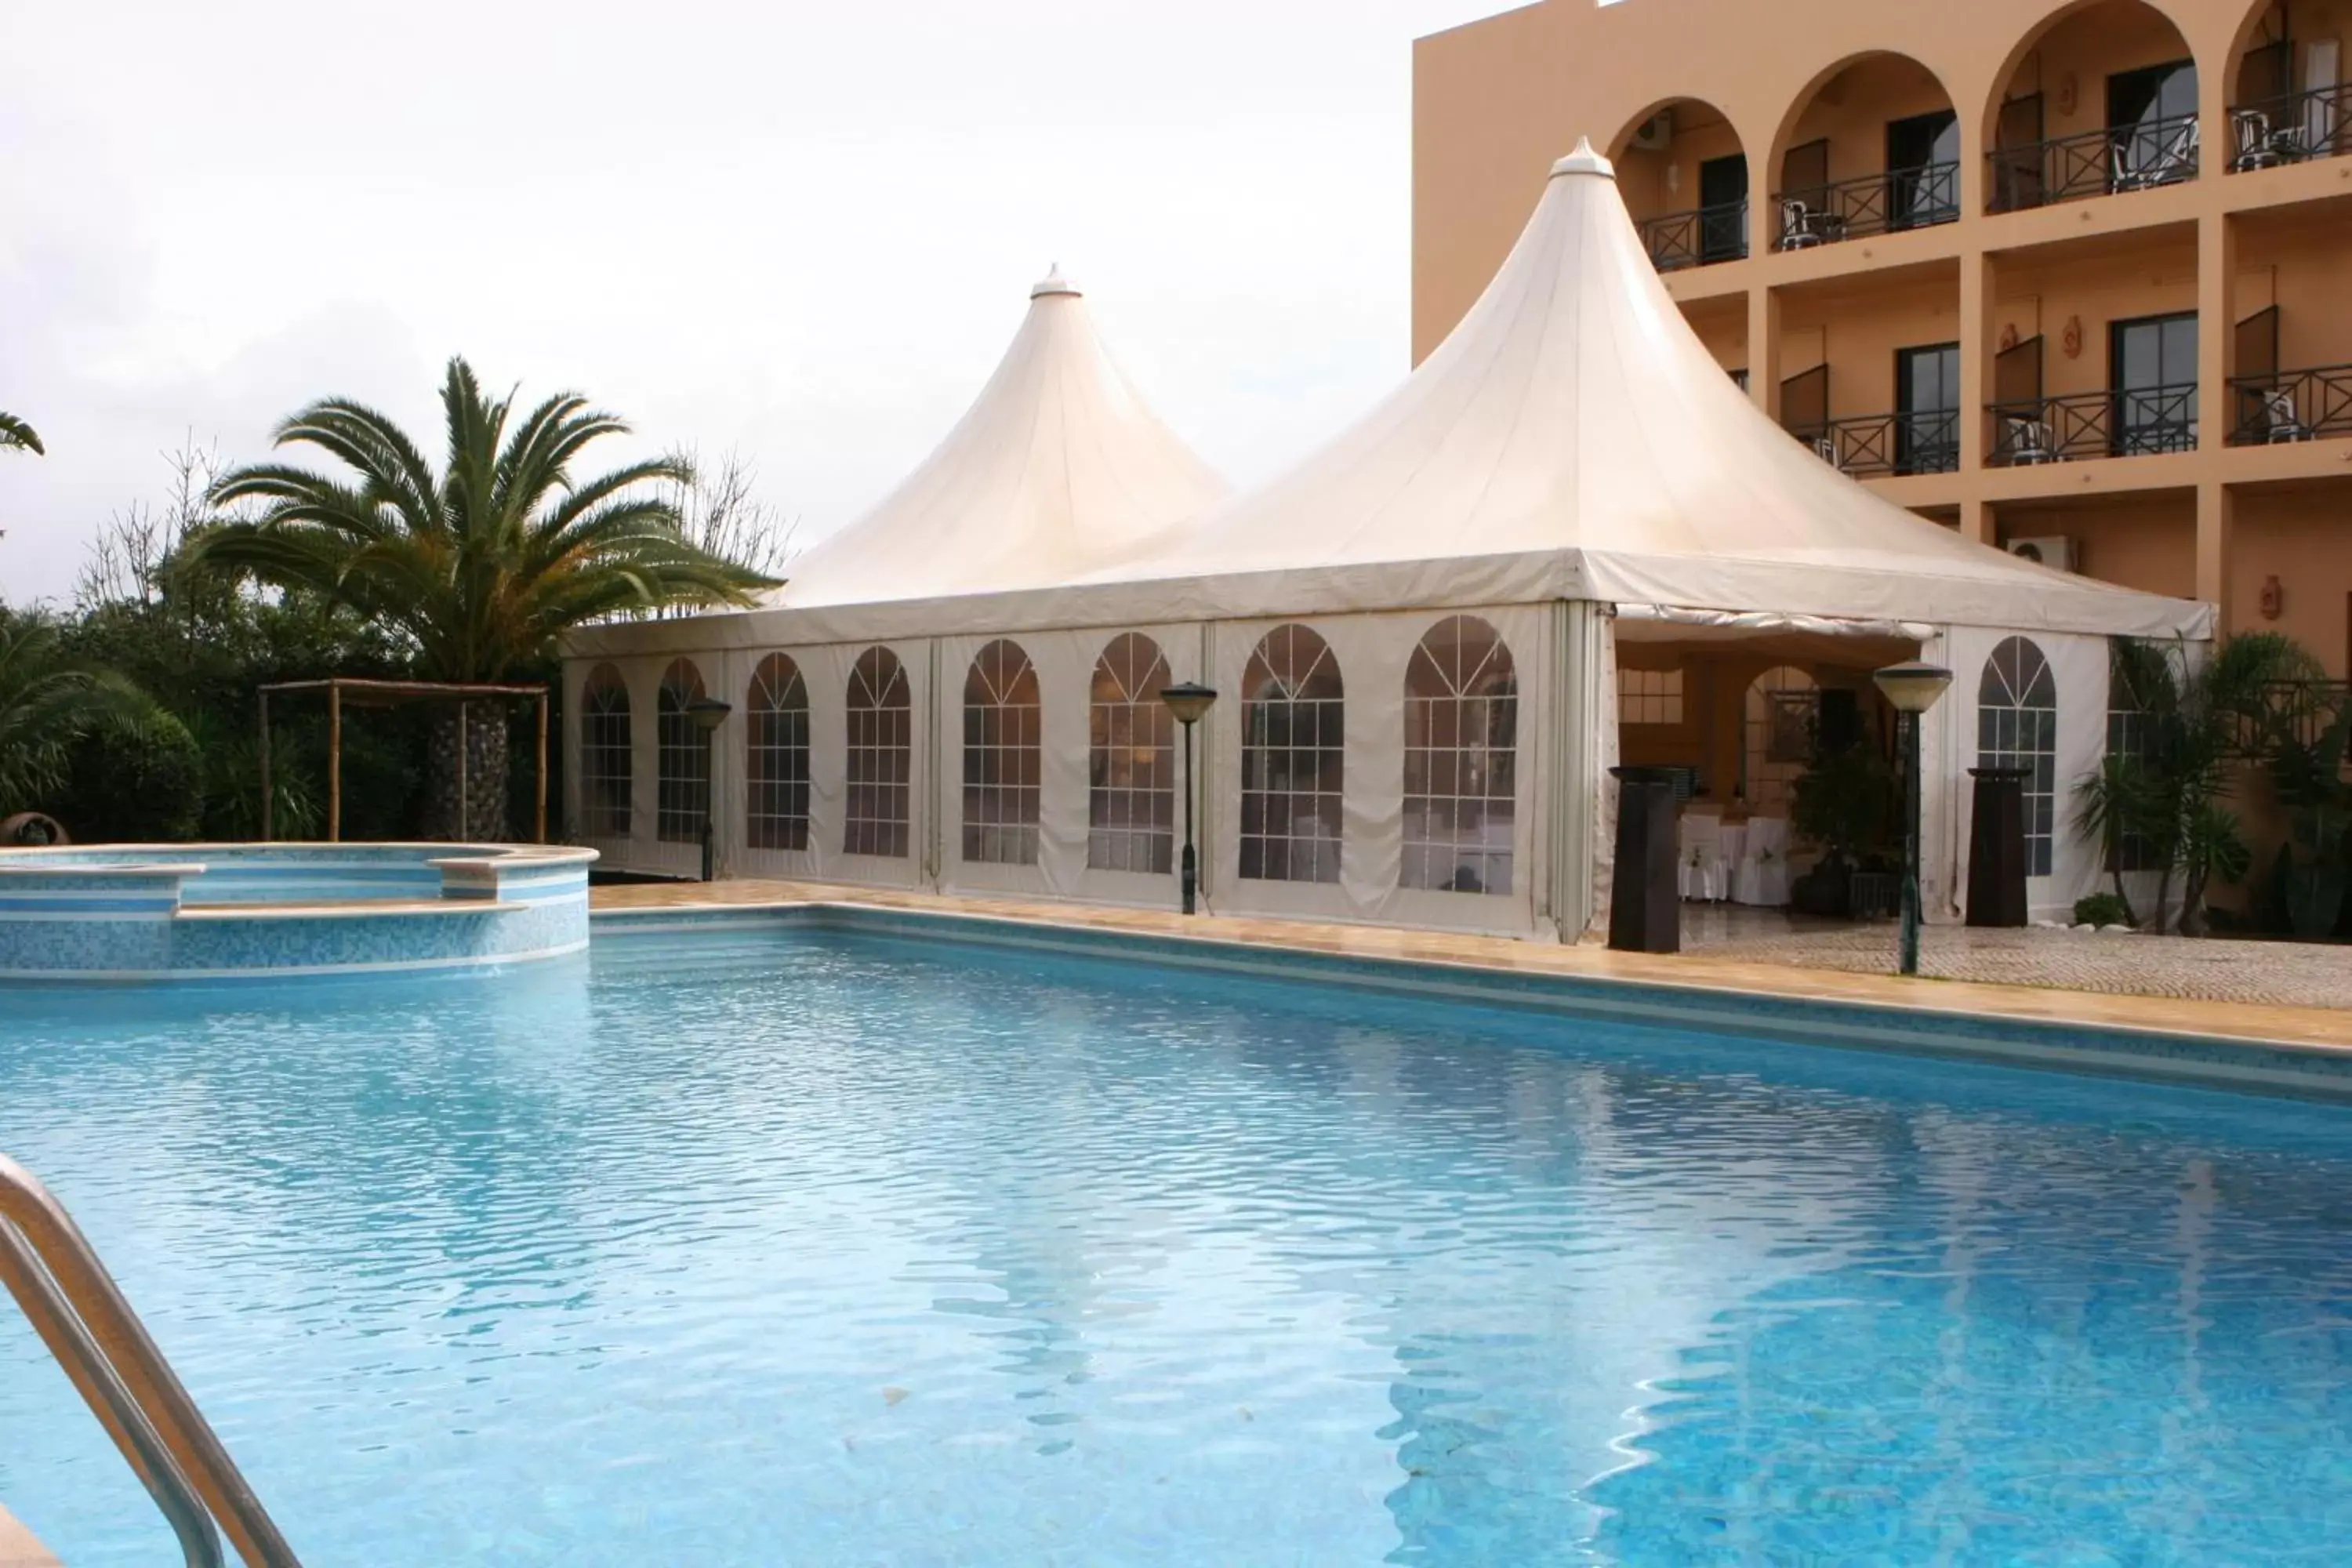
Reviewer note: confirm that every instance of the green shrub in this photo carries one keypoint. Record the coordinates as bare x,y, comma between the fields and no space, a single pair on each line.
2102,910
135,783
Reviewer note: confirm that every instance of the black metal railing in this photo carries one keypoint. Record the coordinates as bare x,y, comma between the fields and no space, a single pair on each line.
2293,129
1873,203
1876,446
2291,405
2128,422
1697,238
2137,157
2299,710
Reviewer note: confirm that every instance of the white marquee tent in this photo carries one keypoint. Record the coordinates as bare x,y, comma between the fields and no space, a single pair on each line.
1416,630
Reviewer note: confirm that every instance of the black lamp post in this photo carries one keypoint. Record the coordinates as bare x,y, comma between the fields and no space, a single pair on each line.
708,713
1189,703
1911,689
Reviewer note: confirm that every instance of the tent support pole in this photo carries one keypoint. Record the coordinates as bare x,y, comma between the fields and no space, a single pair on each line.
269,799
334,764
1576,792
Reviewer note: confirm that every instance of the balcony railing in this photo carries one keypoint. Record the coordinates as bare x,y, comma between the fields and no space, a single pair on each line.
1874,204
1697,238
1878,445
2132,423
2291,405
2137,157
2290,130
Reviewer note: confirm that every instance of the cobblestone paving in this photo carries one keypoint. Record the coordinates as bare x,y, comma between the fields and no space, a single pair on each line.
2119,964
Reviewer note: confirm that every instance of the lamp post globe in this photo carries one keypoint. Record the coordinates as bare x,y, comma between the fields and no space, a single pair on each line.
1188,702
708,713
1911,689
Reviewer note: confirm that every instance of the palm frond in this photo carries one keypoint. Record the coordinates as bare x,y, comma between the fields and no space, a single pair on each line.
15,433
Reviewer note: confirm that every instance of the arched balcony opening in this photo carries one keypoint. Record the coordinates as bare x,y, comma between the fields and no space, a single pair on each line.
2101,101
2288,101
1874,148
1683,175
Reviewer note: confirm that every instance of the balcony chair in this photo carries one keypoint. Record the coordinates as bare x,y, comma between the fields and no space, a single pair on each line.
2030,444
2175,161
2280,424
2262,145
1802,228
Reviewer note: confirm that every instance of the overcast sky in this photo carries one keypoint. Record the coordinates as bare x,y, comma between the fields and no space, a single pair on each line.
803,231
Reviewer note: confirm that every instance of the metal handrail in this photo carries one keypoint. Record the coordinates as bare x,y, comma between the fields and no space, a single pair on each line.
2291,405
1700,238
74,1304
1924,441
2140,156
2123,421
1882,202
2292,128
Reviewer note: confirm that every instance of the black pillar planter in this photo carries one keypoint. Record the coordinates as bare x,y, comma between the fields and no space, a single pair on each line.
1645,906
1997,848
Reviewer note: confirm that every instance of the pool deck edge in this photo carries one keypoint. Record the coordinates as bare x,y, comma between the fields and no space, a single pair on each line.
2299,1029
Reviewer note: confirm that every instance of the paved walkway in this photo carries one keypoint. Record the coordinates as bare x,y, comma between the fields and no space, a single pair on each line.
2300,974
1815,972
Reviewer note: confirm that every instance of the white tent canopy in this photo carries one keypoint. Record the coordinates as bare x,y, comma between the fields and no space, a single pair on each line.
1574,435
1572,468
1057,469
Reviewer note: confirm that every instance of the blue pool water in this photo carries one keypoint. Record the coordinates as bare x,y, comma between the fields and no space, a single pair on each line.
832,1248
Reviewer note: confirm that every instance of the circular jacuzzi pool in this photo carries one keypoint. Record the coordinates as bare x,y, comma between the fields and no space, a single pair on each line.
197,911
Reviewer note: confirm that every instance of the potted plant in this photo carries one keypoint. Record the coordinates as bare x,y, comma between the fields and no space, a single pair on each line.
1845,803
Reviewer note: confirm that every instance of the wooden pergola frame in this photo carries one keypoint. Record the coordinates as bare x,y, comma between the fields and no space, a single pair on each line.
392,694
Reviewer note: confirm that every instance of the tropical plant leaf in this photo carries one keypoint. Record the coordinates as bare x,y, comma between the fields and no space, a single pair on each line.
485,565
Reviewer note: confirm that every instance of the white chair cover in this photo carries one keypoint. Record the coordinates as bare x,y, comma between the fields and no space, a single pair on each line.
1762,874
1703,873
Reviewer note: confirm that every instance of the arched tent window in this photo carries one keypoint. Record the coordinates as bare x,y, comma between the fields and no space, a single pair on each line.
1130,761
682,756
2016,726
1783,709
1461,737
1292,715
776,757
1001,766
605,763
881,724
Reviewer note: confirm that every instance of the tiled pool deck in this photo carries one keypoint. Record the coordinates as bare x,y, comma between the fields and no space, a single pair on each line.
2078,984
2209,969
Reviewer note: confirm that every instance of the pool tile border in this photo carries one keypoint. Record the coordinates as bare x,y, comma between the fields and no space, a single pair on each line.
2294,1068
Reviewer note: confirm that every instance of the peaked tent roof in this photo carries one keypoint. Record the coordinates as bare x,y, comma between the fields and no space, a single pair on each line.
1057,469
1573,432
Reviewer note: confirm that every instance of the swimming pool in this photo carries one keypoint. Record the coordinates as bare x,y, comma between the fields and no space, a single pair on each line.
825,1246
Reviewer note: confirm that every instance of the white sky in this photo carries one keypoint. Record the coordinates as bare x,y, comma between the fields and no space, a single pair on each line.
802,231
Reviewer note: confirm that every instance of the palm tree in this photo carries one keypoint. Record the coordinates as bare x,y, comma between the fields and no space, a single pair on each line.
46,703
481,566
18,437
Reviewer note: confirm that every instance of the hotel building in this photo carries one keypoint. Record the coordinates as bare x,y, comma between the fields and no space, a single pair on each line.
2073,278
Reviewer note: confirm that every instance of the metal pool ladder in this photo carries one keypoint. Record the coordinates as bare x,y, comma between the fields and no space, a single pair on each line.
79,1312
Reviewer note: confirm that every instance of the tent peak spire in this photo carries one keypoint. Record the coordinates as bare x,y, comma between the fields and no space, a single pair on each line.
1584,161
1055,283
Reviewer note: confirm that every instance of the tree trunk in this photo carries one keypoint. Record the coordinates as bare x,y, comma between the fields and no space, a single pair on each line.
2192,904
483,817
